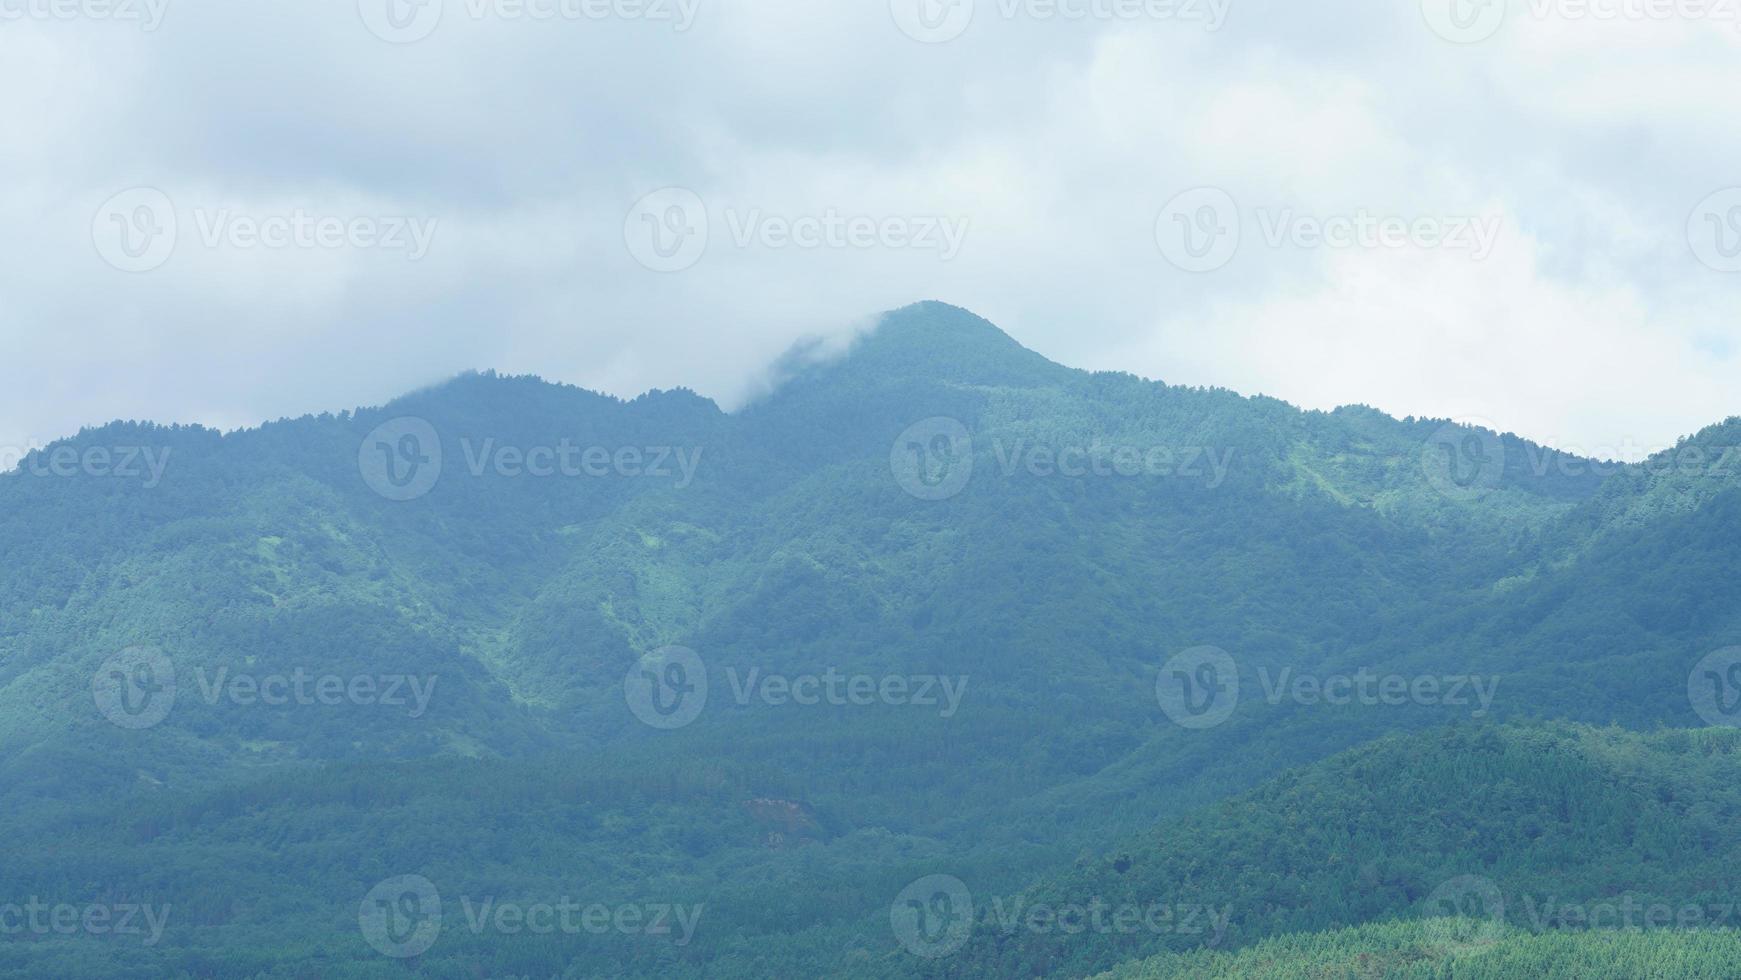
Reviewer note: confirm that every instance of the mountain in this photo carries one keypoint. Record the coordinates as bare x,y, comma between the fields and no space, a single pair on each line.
1538,828
933,605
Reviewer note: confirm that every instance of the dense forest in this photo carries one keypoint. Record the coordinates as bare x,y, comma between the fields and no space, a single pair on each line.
246,693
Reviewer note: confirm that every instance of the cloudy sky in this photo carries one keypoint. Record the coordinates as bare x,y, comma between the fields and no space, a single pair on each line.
224,211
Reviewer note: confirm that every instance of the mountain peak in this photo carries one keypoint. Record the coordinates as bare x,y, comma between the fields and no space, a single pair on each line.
937,329
938,342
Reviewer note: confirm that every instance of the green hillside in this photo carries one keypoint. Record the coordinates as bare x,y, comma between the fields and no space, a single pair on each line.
1413,951
1555,828
1000,555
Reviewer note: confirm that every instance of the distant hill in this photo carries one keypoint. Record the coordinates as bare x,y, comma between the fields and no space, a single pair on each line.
1553,828
450,603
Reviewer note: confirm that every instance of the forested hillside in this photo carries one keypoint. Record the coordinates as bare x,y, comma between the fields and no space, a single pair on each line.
532,643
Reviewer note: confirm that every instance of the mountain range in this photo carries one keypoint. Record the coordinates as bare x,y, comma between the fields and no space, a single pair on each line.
850,680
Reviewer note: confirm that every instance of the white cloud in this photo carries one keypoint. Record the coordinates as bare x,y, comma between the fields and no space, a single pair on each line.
1057,141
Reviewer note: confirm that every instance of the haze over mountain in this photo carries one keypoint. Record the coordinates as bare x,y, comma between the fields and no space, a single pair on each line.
932,606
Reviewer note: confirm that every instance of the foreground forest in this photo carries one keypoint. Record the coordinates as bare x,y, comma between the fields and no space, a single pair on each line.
876,676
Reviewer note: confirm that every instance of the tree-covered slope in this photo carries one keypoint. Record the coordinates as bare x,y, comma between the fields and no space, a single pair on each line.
1417,951
1545,828
931,506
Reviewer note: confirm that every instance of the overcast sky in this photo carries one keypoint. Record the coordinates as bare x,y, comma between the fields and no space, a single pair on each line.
225,211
